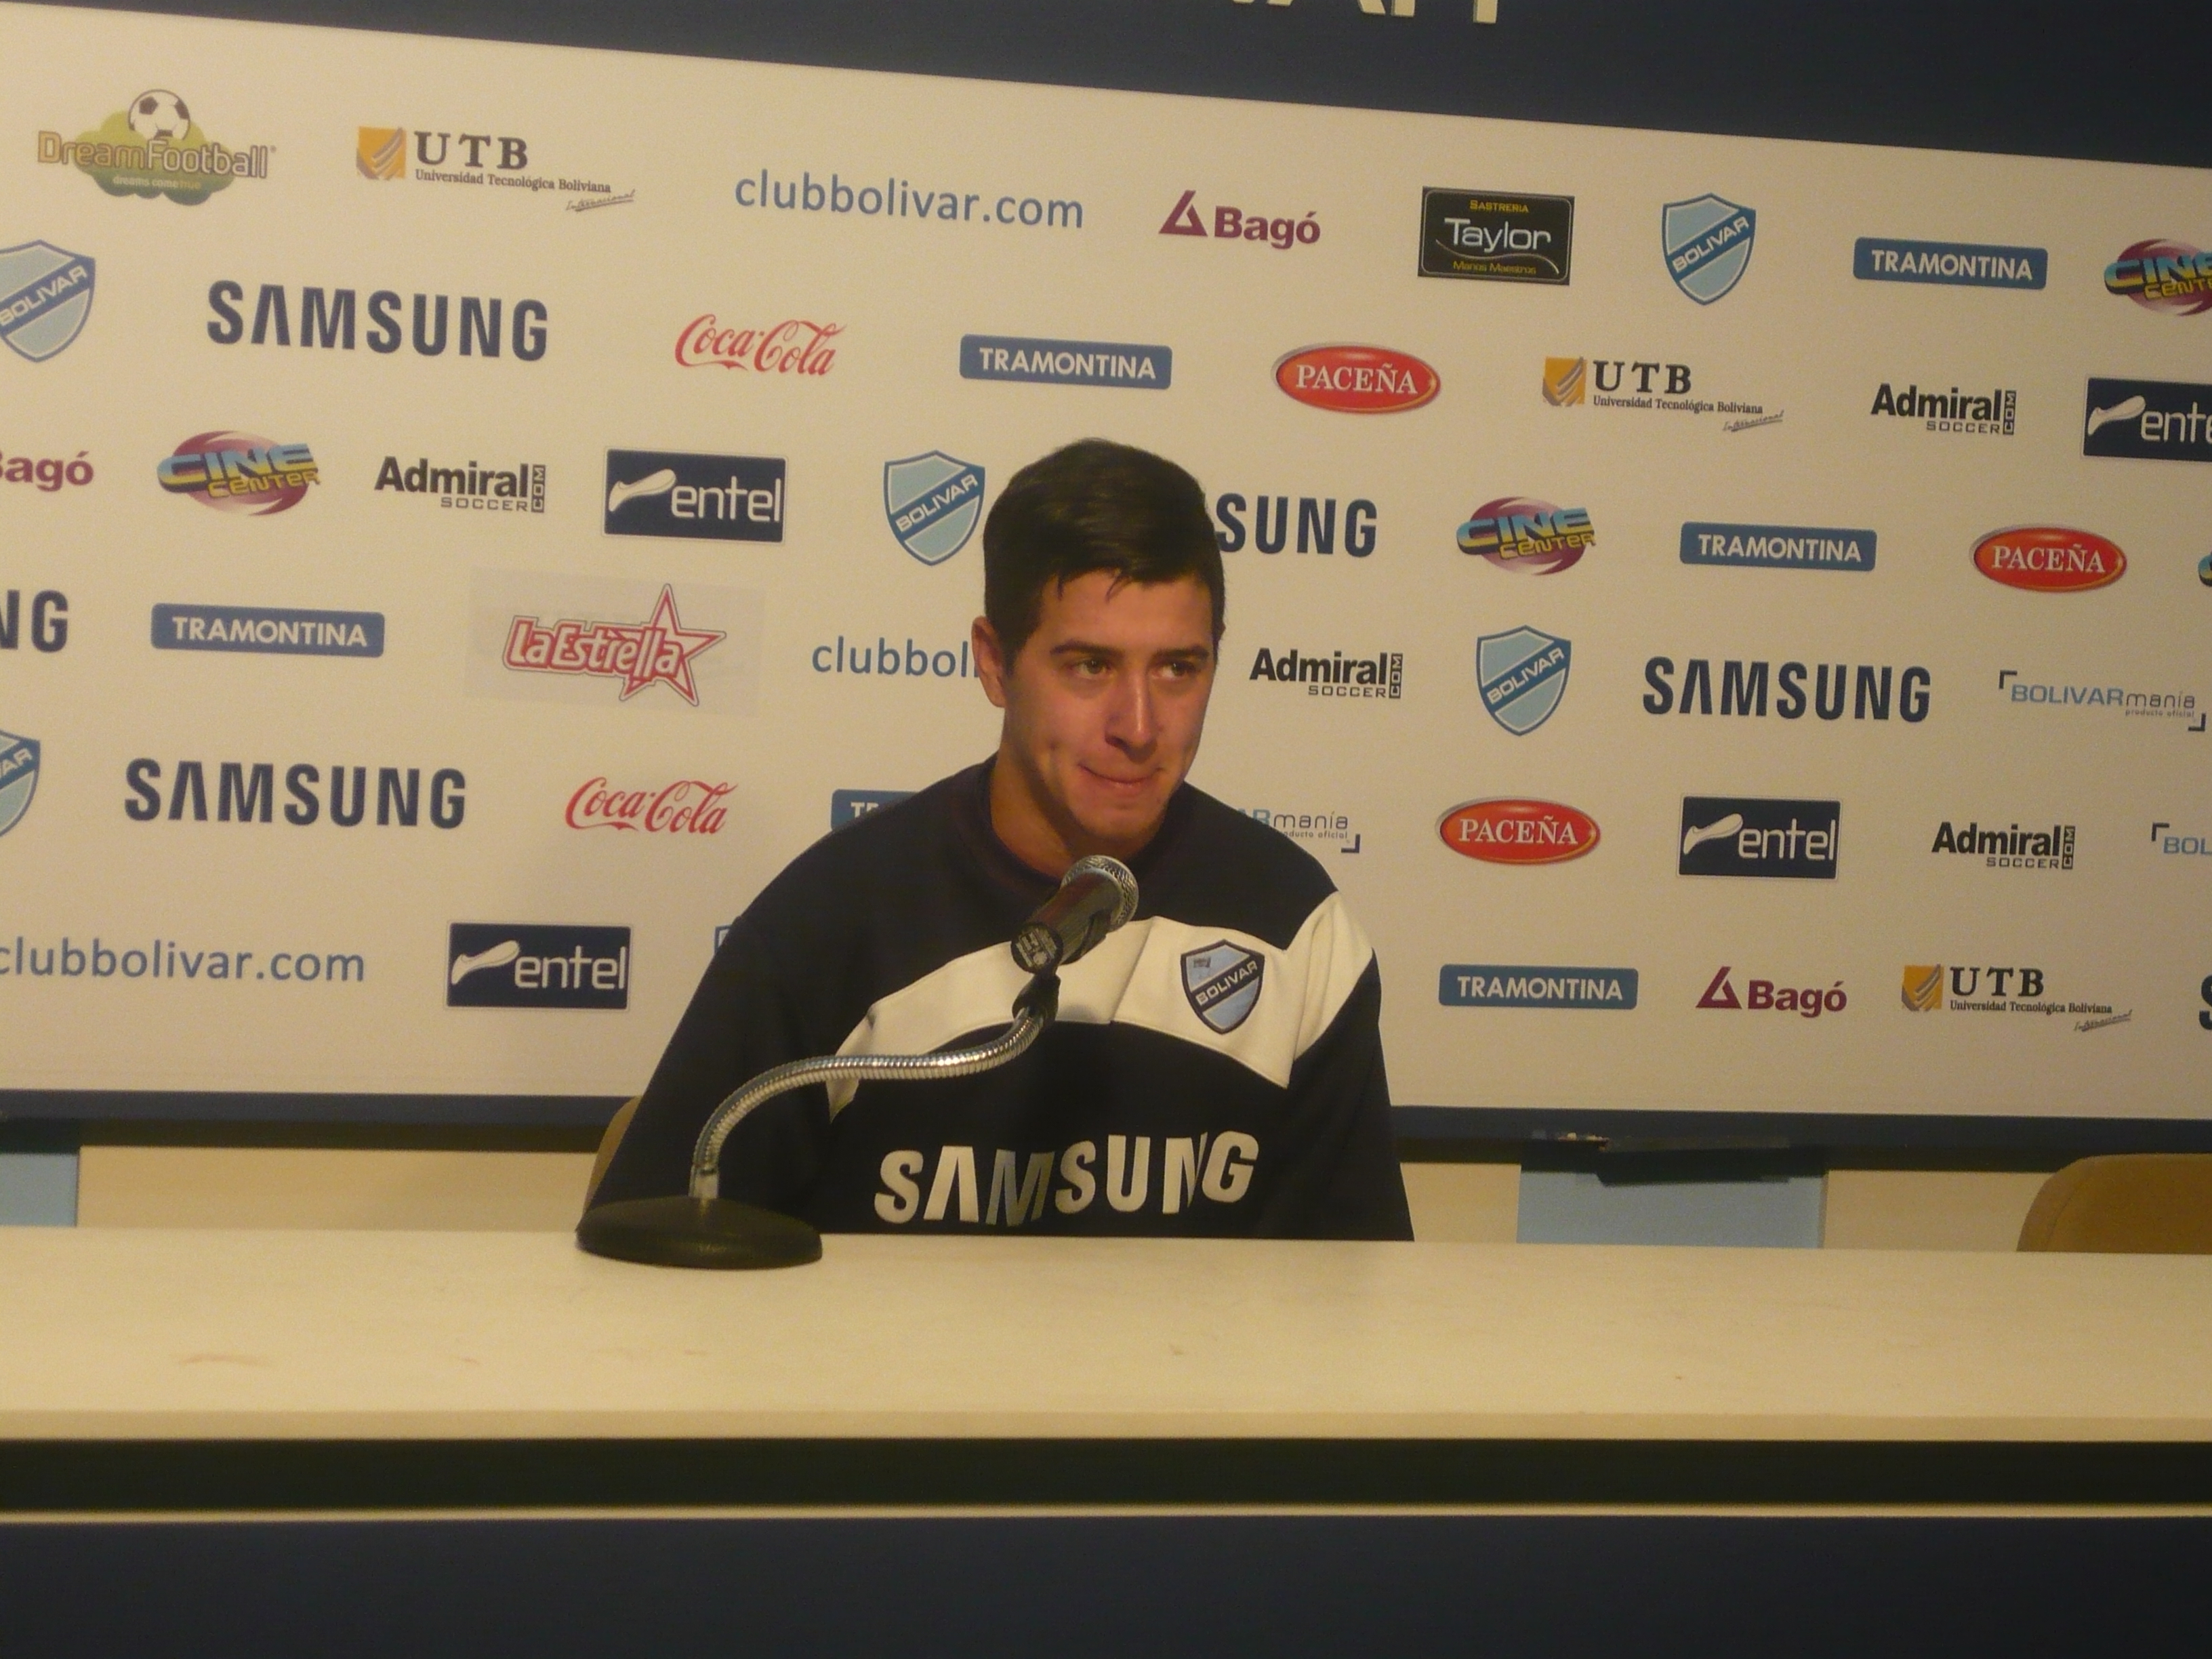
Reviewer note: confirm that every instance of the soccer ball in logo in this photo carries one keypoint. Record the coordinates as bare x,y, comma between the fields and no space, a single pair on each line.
160,115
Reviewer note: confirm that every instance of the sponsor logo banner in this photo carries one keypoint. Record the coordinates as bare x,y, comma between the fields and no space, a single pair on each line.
1957,264
1998,990
1066,363
1520,532
1493,237
153,147
1874,690
1490,985
1270,529
1744,836
244,792
500,965
726,498
47,473
887,658
2012,848
1222,981
2187,846
2049,559
469,487
1320,829
1623,383
1382,675
1707,244
2160,274
902,199
1356,379
276,632
1235,225
1777,546
19,778
689,806
1514,830
1993,414
45,295
581,639
2105,698
49,620
2148,420
848,806
933,503
327,322
240,472
1764,996
1523,674
793,346
481,160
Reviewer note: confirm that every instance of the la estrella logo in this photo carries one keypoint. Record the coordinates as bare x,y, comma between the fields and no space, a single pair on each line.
154,147
933,503
1222,983
19,778
240,472
2163,275
1707,243
45,294
1523,673
655,652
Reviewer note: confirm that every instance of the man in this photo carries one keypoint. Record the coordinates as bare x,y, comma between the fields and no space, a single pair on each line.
1216,1069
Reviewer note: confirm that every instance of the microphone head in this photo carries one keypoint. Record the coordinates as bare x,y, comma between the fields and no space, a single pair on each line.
1125,884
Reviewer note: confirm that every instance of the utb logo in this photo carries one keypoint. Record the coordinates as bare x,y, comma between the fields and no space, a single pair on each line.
1565,381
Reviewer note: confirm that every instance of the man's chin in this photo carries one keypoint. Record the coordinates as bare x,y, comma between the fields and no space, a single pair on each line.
1120,817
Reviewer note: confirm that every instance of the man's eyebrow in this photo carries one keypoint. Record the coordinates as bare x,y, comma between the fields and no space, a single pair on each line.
1085,648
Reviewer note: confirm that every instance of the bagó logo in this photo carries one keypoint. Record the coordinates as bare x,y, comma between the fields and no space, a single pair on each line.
2048,559
1806,1004
1523,674
1234,225
1356,379
933,503
1222,983
19,778
1519,532
2159,274
1707,243
45,295
240,472
153,147
1514,830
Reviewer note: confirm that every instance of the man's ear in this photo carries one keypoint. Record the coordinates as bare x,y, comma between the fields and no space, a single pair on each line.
991,665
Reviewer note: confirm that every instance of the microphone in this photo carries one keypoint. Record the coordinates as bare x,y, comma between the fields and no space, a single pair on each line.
1096,896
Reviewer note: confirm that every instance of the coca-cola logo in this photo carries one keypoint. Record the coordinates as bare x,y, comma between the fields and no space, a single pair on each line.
689,806
793,346
2049,559
1515,831
1357,379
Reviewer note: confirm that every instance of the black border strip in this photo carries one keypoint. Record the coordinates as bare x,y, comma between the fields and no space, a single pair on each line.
137,1477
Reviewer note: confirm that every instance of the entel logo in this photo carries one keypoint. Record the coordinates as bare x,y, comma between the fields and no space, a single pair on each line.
1510,830
1357,379
2048,559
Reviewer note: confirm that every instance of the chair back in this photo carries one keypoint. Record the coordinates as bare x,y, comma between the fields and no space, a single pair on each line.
608,1142
2141,1203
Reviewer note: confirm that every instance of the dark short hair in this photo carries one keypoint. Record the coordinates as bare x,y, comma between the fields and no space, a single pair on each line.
1094,505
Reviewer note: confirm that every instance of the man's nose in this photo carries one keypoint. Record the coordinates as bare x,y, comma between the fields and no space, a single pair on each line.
1132,721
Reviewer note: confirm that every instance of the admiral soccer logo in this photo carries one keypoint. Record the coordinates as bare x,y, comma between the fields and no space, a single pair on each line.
1523,674
1707,242
19,778
1222,982
933,503
45,294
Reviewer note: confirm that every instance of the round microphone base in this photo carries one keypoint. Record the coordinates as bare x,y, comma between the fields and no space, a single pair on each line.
697,1232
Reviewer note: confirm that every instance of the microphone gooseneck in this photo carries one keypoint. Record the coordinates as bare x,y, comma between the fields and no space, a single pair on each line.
1096,896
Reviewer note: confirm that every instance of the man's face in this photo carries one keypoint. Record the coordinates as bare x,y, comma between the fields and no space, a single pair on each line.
1104,704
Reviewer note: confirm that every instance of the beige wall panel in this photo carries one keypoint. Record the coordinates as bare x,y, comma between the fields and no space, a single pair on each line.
1928,1209
293,1186
1464,1203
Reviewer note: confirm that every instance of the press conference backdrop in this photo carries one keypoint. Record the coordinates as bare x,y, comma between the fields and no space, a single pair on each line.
1731,614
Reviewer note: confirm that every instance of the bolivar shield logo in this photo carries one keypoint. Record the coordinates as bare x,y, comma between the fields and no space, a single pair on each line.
45,294
1707,241
1223,983
932,502
1523,674
19,778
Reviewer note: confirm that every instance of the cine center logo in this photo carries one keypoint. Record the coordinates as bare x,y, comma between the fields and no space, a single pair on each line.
1491,236
498,964
240,472
730,498
46,296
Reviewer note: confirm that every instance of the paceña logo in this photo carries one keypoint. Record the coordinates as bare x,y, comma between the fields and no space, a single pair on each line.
730,498
1742,835
491,964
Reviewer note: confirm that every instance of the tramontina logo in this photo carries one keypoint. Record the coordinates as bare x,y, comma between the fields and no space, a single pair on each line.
1066,363
1777,546
240,472
1519,532
153,147
1223,982
279,633
496,964
19,778
45,294
1523,674
1707,241
1493,237
1955,265
2161,275
1487,985
933,503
